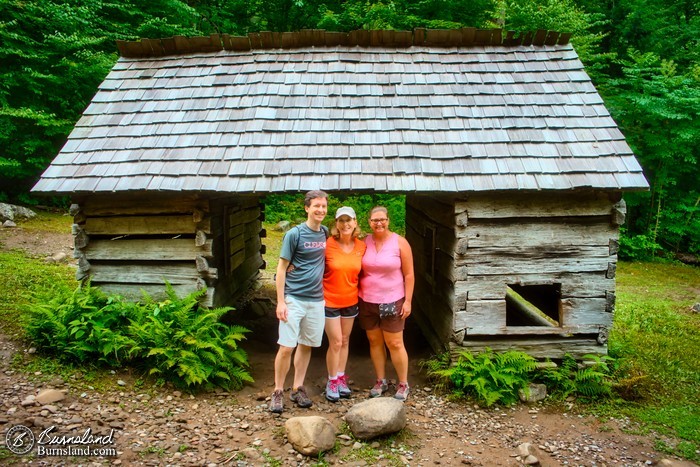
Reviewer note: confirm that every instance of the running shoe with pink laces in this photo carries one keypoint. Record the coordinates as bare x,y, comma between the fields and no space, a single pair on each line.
332,393
343,388
402,392
379,388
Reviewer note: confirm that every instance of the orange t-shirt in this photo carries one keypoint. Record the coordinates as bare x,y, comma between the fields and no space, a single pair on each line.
341,276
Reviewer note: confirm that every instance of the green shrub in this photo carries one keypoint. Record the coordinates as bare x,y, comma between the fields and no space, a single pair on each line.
592,380
185,343
176,339
291,208
81,326
488,376
493,378
637,247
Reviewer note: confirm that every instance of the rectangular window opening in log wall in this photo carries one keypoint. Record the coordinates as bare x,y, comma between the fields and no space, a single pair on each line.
533,305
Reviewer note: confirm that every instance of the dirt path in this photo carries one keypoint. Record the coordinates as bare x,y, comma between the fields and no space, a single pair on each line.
161,426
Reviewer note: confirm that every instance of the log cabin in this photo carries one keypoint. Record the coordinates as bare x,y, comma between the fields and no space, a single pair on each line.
513,170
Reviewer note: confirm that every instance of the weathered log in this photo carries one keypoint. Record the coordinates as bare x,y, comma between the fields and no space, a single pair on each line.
83,263
610,273
144,225
80,238
531,312
538,205
540,347
619,213
197,215
147,249
200,238
79,218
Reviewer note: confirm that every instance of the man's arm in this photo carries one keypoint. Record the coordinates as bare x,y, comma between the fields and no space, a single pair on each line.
280,279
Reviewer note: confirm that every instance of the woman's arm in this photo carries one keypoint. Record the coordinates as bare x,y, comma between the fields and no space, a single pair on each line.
409,277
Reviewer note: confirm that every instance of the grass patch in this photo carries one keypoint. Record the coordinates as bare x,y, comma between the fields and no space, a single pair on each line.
48,221
655,338
273,245
21,277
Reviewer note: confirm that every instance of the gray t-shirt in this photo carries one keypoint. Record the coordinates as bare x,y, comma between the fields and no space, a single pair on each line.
305,249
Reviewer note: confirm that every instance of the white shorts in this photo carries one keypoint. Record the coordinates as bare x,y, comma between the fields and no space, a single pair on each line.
305,323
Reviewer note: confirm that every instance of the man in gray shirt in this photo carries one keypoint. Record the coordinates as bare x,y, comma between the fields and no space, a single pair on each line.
300,304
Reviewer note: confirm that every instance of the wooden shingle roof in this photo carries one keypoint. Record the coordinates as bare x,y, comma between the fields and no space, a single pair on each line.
340,117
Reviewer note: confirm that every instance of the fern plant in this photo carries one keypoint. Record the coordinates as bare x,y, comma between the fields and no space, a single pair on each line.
176,339
590,381
183,342
80,326
488,376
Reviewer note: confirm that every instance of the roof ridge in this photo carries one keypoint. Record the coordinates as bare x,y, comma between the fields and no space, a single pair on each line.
464,37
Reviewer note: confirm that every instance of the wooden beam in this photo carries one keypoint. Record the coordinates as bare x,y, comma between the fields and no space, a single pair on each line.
525,234
533,205
146,249
143,225
540,347
142,273
529,310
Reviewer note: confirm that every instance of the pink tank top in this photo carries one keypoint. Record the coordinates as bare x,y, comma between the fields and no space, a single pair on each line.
381,280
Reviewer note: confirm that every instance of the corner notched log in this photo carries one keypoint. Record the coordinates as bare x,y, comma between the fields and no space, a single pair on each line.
531,312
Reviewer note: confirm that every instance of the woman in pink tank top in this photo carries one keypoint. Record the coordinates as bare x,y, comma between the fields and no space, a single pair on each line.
386,290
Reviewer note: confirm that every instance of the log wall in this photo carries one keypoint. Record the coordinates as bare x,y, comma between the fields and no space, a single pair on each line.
238,248
536,239
129,243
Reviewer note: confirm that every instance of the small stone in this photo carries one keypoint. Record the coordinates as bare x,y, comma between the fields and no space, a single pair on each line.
29,401
121,382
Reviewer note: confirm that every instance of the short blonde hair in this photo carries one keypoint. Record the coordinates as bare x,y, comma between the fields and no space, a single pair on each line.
357,233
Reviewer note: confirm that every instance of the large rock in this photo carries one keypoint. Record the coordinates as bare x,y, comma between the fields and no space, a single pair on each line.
283,226
11,212
48,396
534,393
376,417
310,435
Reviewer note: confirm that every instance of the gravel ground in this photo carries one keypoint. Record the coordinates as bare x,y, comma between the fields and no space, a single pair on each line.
146,425
163,426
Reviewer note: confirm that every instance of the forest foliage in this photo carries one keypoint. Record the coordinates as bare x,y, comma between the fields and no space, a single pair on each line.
643,56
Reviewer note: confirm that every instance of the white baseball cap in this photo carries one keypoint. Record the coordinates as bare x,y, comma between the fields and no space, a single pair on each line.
345,211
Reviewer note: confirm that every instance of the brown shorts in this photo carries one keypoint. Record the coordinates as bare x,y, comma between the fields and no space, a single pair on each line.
369,318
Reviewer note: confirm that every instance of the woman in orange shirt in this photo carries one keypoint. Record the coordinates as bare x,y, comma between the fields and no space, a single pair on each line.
343,262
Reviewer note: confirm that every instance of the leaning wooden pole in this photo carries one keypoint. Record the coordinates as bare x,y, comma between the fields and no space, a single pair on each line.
531,312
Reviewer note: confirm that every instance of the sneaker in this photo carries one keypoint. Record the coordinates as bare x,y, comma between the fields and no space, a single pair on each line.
343,388
277,402
299,396
402,392
379,388
332,393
